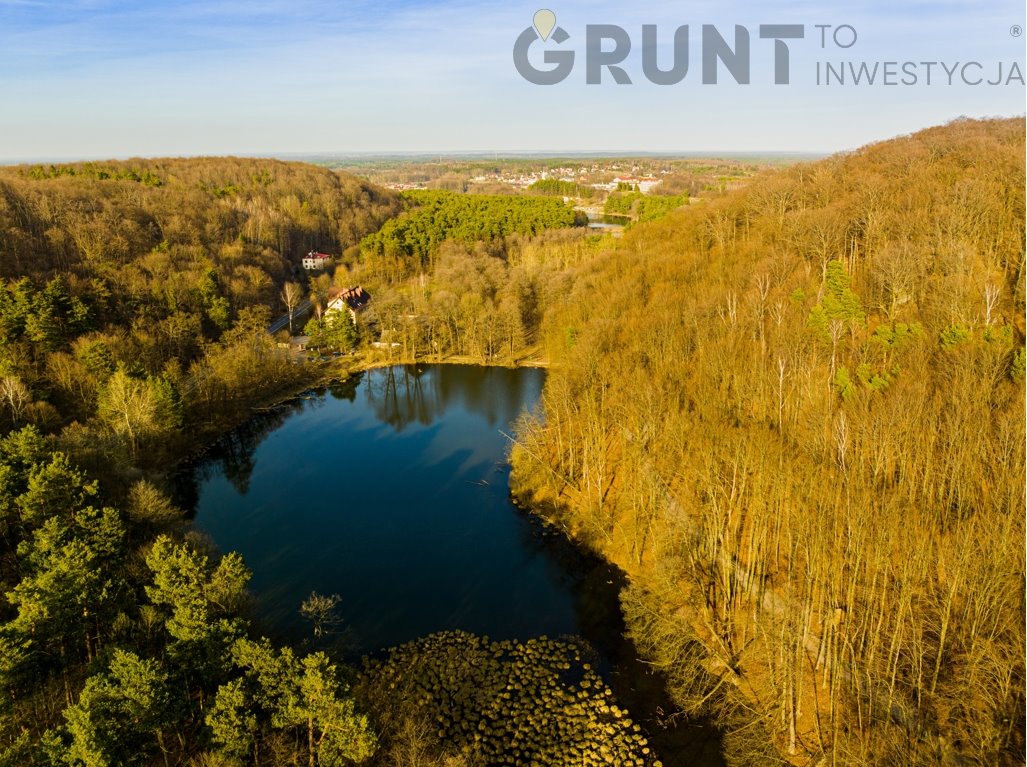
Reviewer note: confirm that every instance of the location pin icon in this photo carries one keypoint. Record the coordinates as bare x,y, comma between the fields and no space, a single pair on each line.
544,21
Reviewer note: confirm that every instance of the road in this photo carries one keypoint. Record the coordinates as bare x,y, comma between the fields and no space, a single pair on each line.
283,322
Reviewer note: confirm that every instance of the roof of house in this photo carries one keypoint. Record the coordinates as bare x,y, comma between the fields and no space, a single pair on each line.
355,298
315,254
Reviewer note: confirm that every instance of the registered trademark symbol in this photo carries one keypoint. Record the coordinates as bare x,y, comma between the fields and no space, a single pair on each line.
1016,30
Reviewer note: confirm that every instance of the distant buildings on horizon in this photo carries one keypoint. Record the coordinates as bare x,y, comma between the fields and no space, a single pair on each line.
579,175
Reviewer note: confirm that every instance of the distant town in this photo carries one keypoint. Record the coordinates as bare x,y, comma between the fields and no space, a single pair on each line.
582,175
590,176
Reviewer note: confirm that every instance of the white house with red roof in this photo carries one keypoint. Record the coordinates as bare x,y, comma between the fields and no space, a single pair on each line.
315,261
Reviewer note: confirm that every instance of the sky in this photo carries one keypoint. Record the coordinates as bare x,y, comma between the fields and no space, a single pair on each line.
121,78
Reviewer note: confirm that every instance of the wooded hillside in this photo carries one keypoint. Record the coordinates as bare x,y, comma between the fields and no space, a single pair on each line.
134,306
795,416
411,241
139,292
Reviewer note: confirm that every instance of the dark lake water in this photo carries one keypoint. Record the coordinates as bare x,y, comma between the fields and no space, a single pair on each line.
391,490
393,493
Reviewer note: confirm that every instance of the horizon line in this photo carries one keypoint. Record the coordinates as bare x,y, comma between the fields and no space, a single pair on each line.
452,154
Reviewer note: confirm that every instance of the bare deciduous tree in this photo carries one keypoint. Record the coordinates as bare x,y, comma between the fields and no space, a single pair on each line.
321,611
17,396
991,294
292,294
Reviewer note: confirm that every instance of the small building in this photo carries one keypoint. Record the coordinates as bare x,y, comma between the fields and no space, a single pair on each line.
352,300
315,261
296,343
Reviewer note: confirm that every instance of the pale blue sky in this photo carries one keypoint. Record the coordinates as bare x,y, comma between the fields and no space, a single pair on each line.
111,78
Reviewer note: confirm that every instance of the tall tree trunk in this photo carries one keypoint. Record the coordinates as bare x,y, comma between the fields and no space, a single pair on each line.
310,740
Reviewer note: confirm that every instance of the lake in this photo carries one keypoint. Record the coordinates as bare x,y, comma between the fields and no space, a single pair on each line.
391,490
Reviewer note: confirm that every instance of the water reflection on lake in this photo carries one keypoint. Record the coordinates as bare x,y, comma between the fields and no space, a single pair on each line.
391,490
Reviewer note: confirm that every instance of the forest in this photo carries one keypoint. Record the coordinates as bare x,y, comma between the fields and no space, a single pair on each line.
792,412
480,302
642,207
410,241
795,416
554,187
135,295
134,310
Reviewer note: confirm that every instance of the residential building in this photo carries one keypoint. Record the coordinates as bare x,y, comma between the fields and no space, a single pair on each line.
315,261
352,300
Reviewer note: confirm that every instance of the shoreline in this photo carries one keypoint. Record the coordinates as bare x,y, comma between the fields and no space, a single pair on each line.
332,371
643,689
